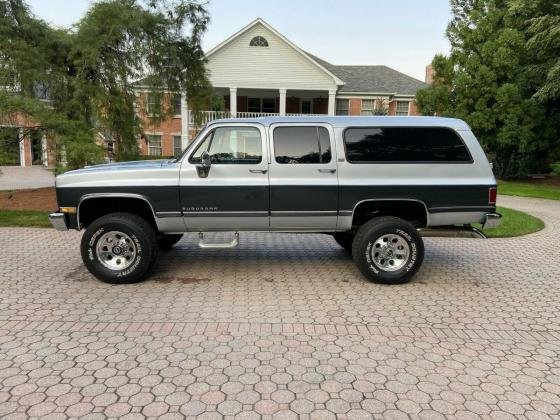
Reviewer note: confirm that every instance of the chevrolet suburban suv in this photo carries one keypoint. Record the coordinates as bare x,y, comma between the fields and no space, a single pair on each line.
376,184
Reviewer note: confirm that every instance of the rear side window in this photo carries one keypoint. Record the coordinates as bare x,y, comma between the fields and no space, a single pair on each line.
302,145
404,144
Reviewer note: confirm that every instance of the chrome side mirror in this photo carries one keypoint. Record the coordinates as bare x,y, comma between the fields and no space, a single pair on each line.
204,168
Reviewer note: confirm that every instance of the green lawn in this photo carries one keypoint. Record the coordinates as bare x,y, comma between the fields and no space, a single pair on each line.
514,223
529,190
24,218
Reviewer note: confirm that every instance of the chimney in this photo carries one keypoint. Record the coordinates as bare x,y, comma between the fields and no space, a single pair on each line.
429,79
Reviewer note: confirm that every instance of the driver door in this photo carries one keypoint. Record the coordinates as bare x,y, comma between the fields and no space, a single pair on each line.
235,194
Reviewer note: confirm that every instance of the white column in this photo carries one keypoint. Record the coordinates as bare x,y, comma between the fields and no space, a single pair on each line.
233,101
282,101
44,156
332,102
21,148
184,121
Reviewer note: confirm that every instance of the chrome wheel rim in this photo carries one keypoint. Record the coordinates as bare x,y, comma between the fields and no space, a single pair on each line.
116,250
390,252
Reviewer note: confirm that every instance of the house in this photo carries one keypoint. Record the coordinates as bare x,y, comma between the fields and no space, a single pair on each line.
259,72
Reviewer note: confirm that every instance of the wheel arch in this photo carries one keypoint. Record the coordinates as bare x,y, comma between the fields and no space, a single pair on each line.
114,202
363,210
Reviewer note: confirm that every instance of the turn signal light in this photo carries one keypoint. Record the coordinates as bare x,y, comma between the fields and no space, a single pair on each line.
70,210
492,194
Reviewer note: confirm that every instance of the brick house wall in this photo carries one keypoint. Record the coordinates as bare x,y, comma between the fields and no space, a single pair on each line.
355,107
168,128
320,106
292,105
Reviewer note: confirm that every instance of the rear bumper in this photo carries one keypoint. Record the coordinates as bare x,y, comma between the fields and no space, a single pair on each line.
58,221
491,220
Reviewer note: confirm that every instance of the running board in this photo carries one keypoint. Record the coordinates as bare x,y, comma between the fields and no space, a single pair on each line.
452,232
232,244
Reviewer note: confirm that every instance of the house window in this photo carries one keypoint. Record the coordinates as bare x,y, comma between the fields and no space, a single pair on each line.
402,108
254,104
152,103
268,105
177,145
154,145
342,107
176,103
261,105
259,41
306,107
368,106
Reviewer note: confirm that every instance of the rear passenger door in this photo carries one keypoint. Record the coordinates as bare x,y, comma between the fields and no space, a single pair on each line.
303,177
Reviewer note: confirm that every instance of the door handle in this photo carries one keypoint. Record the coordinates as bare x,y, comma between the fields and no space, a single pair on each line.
327,171
258,171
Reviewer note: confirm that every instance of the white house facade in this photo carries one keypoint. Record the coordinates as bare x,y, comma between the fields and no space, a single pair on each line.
258,71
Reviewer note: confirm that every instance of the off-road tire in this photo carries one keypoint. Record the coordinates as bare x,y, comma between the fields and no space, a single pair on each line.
140,234
375,233
344,239
166,241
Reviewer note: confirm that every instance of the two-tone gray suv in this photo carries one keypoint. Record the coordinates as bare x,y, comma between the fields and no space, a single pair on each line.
377,184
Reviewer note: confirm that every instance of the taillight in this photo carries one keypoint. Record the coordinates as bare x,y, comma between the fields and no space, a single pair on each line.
492,194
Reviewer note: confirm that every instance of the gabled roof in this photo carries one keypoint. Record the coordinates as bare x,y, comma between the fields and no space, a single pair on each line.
260,21
367,79
373,79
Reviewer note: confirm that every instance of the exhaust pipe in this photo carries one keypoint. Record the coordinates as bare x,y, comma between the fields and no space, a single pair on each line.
452,232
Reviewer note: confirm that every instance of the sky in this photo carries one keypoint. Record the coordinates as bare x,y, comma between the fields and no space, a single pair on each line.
402,34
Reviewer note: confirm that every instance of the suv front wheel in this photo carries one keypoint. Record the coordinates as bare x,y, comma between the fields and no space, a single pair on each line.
388,250
119,248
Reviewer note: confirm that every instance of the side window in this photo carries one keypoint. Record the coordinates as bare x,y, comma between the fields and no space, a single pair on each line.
404,144
302,145
231,145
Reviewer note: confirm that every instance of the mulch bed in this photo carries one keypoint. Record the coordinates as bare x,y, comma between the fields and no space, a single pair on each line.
549,180
41,199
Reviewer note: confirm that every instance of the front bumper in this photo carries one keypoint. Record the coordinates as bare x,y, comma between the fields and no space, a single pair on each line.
492,220
58,221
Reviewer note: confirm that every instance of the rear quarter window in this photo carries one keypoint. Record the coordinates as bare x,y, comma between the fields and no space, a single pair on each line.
405,145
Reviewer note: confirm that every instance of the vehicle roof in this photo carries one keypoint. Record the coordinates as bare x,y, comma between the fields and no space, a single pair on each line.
353,121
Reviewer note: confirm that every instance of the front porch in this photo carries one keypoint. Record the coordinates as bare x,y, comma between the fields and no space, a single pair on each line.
253,103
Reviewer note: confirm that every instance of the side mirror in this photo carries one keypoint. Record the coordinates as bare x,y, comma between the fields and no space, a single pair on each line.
204,168
205,159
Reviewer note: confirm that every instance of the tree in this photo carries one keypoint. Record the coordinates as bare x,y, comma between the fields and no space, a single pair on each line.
490,80
79,82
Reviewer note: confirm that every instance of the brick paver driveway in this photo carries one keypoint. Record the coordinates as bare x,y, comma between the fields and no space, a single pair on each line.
284,326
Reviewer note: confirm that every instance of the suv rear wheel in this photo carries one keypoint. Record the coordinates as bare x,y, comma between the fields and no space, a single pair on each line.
119,248
388,250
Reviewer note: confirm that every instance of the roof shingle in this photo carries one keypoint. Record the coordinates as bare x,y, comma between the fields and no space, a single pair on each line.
372,79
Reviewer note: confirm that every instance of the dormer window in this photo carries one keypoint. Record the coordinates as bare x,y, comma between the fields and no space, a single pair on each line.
259,41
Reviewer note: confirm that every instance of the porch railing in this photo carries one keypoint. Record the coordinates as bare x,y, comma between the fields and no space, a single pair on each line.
200,118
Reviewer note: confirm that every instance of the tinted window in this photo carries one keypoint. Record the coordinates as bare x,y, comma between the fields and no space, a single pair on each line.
404,144
231,145
302,145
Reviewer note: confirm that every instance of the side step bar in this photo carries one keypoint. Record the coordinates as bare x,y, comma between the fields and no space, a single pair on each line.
452,232
232,244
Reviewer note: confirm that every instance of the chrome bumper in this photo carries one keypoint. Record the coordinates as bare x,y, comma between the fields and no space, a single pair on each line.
58,221
491,220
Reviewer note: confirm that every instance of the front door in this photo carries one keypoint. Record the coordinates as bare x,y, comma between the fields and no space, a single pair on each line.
303,177
235,194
